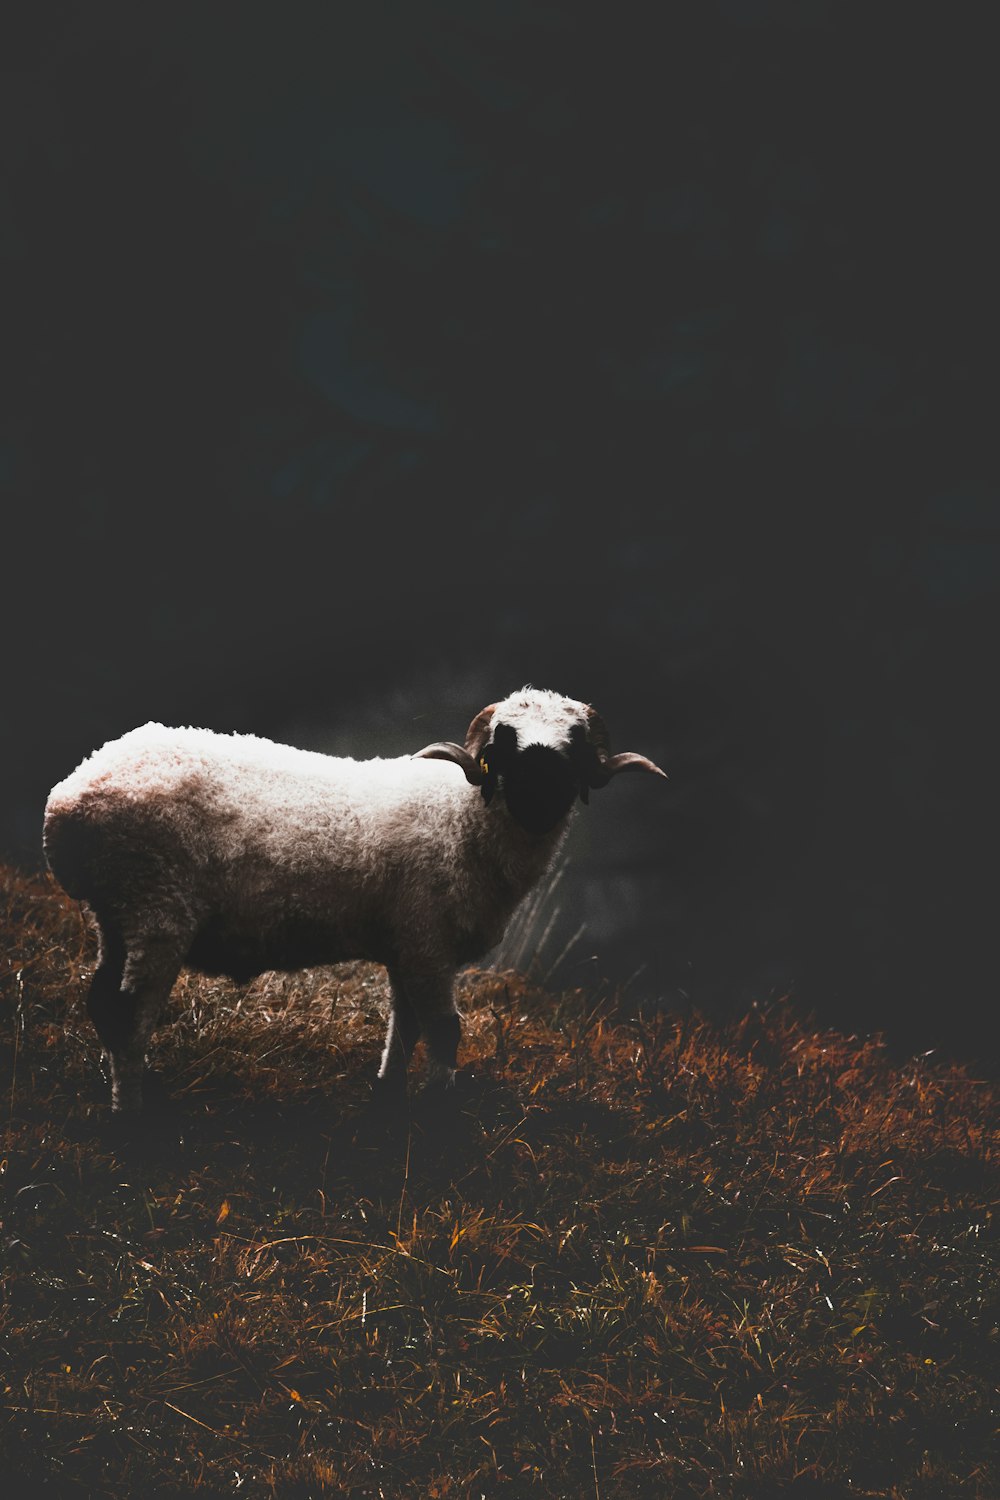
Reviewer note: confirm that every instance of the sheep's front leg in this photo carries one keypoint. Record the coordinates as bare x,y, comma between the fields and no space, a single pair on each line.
401,1036
421,1004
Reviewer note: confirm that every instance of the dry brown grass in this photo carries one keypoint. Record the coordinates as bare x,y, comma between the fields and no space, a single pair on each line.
638,1256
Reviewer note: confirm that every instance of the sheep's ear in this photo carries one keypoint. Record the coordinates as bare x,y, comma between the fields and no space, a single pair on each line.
478,731
446,750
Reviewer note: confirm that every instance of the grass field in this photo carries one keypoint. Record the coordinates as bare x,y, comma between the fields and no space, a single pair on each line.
636,1254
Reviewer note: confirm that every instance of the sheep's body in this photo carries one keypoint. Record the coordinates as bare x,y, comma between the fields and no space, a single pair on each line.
235,855
280,858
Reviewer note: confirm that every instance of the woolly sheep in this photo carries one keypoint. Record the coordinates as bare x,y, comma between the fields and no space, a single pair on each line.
234,855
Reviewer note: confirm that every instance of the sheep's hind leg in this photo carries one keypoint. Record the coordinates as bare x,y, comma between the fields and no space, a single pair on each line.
401,1036
147,978
107,1007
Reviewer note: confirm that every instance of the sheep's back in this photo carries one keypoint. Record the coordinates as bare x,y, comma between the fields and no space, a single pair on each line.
233,811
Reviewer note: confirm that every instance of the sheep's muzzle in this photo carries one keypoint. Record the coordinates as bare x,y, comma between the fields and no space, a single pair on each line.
539,786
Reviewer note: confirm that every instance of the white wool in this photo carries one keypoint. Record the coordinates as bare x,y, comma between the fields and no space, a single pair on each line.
254,788
539,717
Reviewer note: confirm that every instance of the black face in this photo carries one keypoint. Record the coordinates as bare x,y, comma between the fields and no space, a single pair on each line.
539,786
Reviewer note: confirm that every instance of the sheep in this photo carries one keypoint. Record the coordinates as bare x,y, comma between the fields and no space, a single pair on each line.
234,855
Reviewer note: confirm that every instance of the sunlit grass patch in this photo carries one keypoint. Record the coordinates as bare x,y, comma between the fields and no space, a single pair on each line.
639,1255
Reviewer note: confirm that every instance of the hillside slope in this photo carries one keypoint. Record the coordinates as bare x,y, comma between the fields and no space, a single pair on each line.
637,1255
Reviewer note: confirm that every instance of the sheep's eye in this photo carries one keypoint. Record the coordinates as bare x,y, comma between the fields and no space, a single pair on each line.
484,765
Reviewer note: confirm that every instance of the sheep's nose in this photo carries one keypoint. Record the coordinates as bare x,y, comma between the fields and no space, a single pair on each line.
540,787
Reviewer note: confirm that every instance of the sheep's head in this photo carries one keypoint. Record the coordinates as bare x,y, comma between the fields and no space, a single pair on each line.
540,751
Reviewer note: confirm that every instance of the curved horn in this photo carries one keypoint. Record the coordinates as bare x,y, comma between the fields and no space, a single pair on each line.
470,755
447,750
628,760
599,765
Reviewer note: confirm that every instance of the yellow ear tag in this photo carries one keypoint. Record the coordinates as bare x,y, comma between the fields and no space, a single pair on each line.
483,765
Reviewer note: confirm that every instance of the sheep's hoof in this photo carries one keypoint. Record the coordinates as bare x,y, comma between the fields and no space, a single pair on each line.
439,1088
439,1076
126,1106
132,1132
442,1090
123,1119
389,1095
390,1082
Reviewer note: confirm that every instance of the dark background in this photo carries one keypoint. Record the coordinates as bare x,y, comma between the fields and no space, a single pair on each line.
361,363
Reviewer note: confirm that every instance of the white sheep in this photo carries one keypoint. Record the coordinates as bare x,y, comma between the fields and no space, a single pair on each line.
234,855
